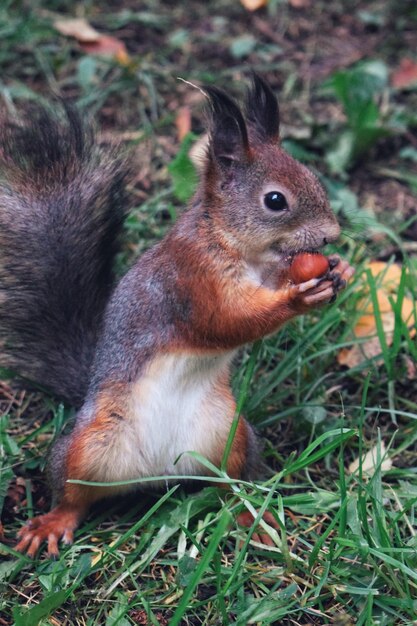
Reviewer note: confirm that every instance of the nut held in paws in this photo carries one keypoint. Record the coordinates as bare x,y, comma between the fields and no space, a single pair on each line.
308,265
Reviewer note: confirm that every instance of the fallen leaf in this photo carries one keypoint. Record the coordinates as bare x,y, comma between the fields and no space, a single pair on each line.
352,357
300,4
78,28
141,617
254,5
411,368
366,305
408,315
405,75
17,490
365,326
106,45
370,461
183,122
388,278
92,41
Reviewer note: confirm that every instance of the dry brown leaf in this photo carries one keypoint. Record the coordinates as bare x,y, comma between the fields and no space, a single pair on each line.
411,368
92,41
183,122
106,45
350,357
254,5
405,75
370,461
78,28
300,4
17,490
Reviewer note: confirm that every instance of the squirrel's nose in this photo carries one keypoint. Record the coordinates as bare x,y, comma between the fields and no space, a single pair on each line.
332,234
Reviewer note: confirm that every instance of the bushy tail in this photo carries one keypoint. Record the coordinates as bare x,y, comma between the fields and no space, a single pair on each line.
61,211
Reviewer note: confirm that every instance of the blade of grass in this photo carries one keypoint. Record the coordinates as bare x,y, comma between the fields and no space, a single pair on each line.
206,558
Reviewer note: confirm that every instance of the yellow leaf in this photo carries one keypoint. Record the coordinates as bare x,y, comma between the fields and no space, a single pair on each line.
123,57
388,276
408,314
254,5
388,279
384,305
365,326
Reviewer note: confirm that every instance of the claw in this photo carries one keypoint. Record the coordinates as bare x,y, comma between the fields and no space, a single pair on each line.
338,282
246,519
60,523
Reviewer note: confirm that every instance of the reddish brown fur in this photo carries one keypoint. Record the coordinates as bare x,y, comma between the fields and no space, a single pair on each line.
246,520
59,523
230,310
238,454
88,440
76,499
219,280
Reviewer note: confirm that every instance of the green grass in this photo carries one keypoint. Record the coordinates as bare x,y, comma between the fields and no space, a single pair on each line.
345,551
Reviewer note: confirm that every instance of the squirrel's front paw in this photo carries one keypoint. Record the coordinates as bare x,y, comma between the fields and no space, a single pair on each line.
320,291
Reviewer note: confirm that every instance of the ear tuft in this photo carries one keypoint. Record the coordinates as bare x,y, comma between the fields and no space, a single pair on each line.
262,111
229,136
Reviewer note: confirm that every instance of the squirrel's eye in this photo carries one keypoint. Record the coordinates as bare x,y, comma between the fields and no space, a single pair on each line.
275,201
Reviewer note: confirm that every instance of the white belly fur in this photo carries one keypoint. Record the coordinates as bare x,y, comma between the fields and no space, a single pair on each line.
173,409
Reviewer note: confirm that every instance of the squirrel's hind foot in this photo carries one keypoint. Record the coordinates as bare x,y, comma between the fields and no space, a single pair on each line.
58,524
246,520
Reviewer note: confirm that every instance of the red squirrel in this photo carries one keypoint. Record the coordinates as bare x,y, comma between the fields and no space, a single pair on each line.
147,362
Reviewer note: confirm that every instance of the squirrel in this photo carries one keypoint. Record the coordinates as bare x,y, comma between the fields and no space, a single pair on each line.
147,361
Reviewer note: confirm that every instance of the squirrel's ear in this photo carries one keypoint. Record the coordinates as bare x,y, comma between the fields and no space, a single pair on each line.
262,111
228,134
